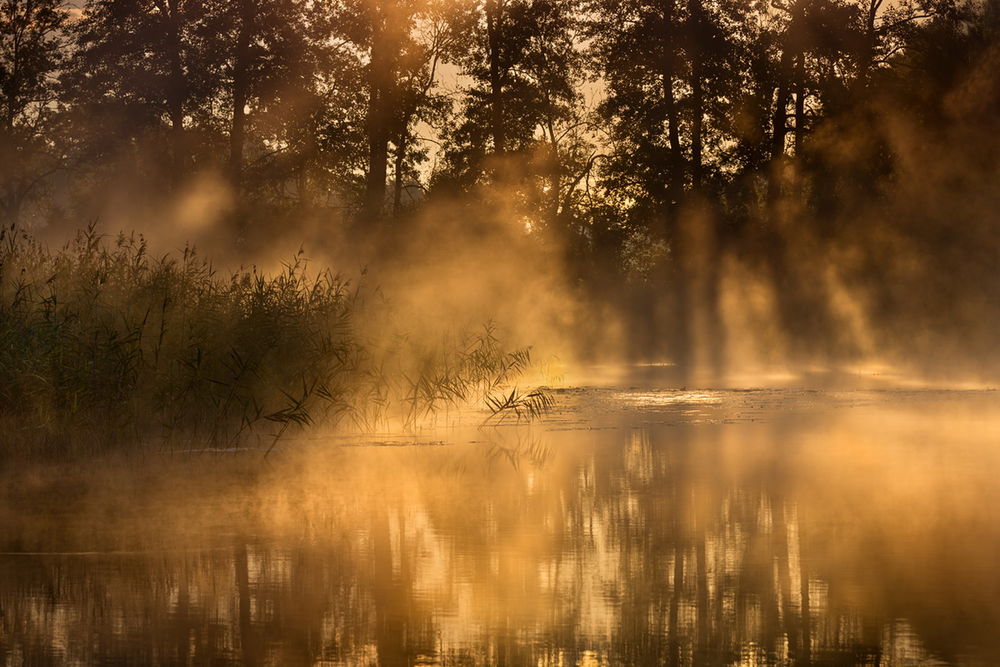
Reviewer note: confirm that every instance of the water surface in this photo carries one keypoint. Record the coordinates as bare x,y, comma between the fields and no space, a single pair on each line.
632,527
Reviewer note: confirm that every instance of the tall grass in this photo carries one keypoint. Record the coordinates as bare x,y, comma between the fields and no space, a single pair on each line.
427,377
103,344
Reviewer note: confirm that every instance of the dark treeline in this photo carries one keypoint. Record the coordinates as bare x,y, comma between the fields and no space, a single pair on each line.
838,154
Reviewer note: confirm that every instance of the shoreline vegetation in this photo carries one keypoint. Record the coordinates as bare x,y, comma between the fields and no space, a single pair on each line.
727,186
104,347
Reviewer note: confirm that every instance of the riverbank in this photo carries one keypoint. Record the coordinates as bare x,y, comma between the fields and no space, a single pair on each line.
104,346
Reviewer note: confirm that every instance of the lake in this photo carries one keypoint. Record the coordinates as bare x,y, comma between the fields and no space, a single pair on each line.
629,527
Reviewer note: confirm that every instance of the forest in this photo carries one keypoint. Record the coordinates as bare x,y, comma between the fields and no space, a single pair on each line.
714,183
500,332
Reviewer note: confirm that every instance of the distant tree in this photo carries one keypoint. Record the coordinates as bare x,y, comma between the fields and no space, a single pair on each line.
267,92
31,55
883,30
519,123
668,70
140,65
329,122
384,33
280,60
247,25
420,102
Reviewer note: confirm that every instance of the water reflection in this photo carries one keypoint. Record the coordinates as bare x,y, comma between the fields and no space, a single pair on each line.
858,536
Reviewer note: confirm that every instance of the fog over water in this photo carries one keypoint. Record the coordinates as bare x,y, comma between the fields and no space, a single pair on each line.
499,332
628,527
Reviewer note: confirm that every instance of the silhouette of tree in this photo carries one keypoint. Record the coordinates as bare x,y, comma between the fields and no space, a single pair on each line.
523,70
136,64
31,53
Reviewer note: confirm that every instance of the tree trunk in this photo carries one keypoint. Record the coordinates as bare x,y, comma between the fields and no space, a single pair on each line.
553,175
675,177
398,165
867,59
496,79
307,158
697,95
800,102
779,119
176,95
379,79
677,278
779,128
10,187
241,84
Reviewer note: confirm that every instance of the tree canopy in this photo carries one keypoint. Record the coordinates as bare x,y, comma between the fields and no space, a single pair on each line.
646,139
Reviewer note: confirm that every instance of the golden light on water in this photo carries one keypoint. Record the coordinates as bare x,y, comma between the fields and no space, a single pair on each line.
856,524
518,332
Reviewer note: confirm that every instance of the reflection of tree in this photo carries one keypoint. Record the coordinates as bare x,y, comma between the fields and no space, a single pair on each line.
642,553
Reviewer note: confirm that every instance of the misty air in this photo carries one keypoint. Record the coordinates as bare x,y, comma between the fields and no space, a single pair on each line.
500,332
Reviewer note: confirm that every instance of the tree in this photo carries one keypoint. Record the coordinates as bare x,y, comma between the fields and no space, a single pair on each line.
519,115
277,71
138,63
419,98
31,54
669,81
668,67
385,33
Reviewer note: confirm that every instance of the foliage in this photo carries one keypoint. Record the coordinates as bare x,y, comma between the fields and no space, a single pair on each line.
31,52
781,135
99,342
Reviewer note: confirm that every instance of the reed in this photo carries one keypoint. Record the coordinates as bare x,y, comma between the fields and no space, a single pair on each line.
103,344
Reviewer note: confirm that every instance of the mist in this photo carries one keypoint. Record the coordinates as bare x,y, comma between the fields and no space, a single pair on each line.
499,331
698,230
